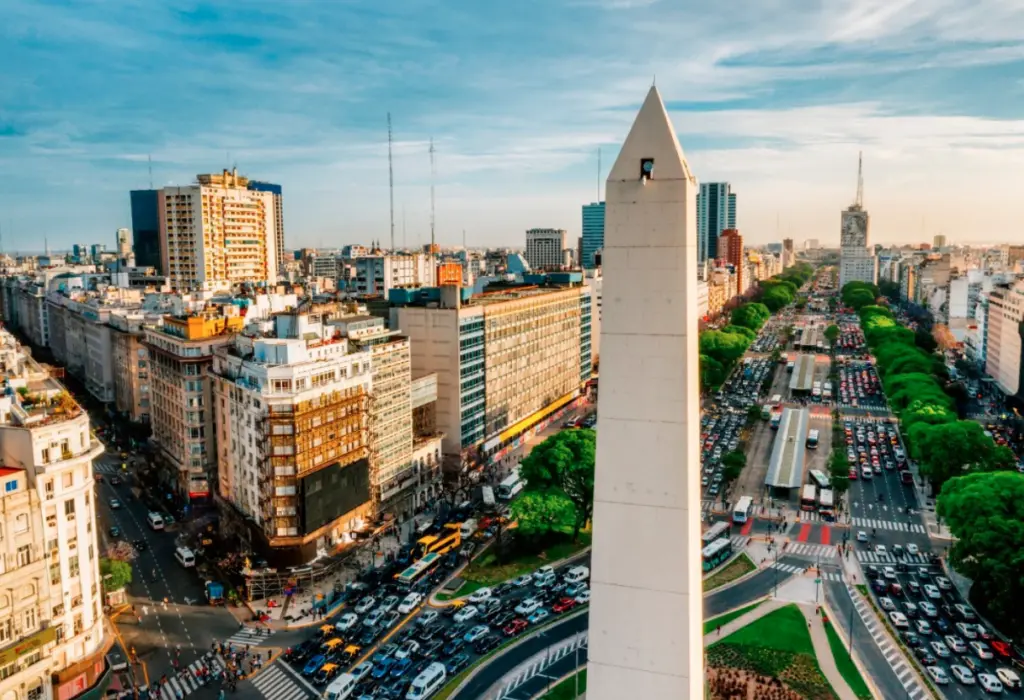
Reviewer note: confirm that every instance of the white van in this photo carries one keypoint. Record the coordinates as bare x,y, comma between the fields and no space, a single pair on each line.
155,521
468,528
577,574
544,580
185,557
427,683
341,687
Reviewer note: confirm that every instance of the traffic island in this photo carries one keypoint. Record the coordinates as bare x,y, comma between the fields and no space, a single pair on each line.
736,569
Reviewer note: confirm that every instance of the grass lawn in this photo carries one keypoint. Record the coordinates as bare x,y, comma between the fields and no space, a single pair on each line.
723,620
740,566
845,664
566,690
486,571
776,645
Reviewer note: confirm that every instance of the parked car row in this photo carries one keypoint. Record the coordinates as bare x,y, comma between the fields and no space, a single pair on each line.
859,386
720,433
872,447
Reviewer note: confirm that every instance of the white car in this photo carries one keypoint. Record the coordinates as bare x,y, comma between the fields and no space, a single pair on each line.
862,536
966,631
955,643
981,650
913,549
389,603
481,595
932,592
409,603
466,614
583,598
944,583
527,606
365,605
889,573
524,580
940,649
923,628
962,674
928,608
428,618
542,572
990,683
899,620
362,670
938,675
346,622
880,550
475,633
410,648
1008,677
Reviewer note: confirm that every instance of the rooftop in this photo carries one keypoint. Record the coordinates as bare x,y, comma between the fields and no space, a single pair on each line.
786,469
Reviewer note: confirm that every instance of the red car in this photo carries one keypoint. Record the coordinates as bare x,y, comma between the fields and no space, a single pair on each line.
515,627
1001,648
853,474
564,605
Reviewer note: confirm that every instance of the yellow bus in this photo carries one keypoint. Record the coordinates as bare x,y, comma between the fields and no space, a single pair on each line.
449,538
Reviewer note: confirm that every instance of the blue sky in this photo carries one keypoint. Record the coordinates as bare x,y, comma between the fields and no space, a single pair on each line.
775,96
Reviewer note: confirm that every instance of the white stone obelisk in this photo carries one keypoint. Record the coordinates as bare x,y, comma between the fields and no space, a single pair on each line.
645,615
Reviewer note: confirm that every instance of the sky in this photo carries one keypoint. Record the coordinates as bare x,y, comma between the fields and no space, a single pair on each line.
775,96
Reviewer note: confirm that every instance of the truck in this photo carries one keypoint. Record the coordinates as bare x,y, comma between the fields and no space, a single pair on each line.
215,592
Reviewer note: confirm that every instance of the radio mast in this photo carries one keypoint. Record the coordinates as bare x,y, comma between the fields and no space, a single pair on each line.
433,176
391,186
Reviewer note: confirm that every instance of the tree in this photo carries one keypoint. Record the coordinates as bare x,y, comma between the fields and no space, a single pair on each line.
712,373
776,298
541,514
115,574
741,331
832,333
926,341
839,470
890,290
950,449
985,513
752,316
858,299
564,463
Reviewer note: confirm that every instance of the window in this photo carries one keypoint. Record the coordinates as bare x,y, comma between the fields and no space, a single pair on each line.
68,479
21,523
30,619
55,574
48,488
10,486
24,555
78,623
73,565
69,509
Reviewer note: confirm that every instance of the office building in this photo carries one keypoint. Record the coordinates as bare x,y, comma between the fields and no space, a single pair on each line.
545,248
730,251
505,360
788,254
145,206
375,275
182,413
646,564
277,192
857,259
52,626
716,211
593,234
939,241
1003,343
812,244
217,233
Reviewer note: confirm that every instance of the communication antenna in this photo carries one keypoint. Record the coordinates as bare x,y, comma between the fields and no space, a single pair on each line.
149,160
391,185
433,176
860,180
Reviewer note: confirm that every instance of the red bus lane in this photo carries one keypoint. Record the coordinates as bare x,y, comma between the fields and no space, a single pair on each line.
805,531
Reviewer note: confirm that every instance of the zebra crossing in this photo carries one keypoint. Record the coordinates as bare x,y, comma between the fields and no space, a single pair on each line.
805,549
187,681
739,542
889,525
276,684
893,657
542,661
250,636
809,516
106,469
792,569
887,558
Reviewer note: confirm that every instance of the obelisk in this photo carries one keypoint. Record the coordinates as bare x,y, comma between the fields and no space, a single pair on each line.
645,616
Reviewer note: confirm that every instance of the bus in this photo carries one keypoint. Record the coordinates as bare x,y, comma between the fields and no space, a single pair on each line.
776,419
448,539
716,531
766,411
809,497
511,486
819,478
776,400
812,439
418,571
716,553
826,504
742,510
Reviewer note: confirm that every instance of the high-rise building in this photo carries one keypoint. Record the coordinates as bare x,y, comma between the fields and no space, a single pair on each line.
1004,354
146,228
788,254
52,626
124,242
376,274
277,191
649,396
217,233
730,251
593,234
857,259
505,360
716,211
544,248
939,241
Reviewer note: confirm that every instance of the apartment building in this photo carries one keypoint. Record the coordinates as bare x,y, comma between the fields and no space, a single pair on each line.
181,406
130,363
217,233
52,635
80,341
506,361
374,275
545,248
1003,342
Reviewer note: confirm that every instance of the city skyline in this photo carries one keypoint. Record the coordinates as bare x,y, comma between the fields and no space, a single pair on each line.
775,102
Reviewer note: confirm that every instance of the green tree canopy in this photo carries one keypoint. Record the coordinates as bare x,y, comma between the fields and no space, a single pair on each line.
712,373
925,341
890,290
776,298
564,463
752,316
541,514
832,333
985,513
839,470
740,330
727,348
858,298
115,574
949,450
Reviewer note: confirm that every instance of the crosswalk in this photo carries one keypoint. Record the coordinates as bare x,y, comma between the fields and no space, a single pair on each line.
888,525
541,664
896,661
809,516
276,684
806,549
793,569
249,636
107,469
887,558
181,684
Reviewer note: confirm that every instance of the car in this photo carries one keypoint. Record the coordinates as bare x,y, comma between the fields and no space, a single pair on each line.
974,664
890,573
990,683
369,636
466,614
938,675
965,613
574,589
983,633
914,588
887,604
913,549
932,592
407,649
861,535
880,550
564,605
962,674
944,583
400,667
896,589
926,656
480,595
955,643
486,644
389,603
456,664
897,550
475,633
1008,677
966,631
409,603
114,531
362,670
428,618
524,580
374,618
538,616
911,610
454,646
456,631
390,619
899,620
139,545
583,598
114,503
981,650
1001,648
879,586
313,665
528,606
515,627
365,605
940,649
923,628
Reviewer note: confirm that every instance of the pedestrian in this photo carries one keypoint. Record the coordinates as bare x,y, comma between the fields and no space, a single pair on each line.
719,630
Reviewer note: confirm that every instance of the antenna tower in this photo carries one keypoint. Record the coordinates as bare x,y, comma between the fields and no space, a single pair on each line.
860,181
391,185
433,175
149,160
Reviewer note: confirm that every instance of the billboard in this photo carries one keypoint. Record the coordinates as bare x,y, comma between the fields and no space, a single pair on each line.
329,493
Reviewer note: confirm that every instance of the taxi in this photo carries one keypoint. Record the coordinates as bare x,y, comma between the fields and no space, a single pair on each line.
326,673
332,645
